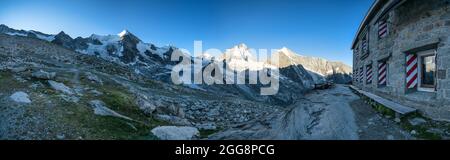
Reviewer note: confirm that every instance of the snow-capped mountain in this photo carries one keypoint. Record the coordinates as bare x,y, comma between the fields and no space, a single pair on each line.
335,71
124,47
241,58
33,34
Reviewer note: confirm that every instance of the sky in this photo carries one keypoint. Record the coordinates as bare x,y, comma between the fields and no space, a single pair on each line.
320,28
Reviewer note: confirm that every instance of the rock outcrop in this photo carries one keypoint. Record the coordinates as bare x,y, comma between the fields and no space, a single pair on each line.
20,97
60,87
176,133
101,109
44,75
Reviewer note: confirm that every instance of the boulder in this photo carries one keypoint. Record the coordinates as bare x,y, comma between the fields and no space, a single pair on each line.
18,69
95,92
213,112
93,78
417,121
147,107
207,126
20,97
101,109
44,75
171,109
72,99
60,87
176,133
177,111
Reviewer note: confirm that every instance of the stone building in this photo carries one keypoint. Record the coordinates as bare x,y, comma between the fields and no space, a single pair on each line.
401,52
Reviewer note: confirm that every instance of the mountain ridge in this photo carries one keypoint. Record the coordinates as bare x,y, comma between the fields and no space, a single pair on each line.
127,49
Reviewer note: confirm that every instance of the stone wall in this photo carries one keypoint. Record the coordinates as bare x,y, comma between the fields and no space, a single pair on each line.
415,25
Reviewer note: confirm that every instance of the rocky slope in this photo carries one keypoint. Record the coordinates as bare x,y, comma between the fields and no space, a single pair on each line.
51,92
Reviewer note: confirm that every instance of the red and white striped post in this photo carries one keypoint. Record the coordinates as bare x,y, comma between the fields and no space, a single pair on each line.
369,74
411,71
361,75
382,28
382,73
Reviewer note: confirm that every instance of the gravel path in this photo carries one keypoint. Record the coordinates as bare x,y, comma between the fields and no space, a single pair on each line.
335,114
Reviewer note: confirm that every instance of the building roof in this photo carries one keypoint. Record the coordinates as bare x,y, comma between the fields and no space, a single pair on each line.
374,9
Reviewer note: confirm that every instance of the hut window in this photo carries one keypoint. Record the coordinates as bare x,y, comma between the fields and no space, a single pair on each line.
427,70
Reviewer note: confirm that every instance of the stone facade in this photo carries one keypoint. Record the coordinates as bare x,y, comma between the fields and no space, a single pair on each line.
413,26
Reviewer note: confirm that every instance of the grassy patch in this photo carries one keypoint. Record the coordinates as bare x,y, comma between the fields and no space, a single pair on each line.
105,127
383,110
91,126
117,98
8,82
379,107
422,129
121,101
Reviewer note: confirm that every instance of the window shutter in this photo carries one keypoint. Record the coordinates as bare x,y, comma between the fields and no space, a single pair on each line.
365,46
382,28
382,73
369,74
411,70
361,74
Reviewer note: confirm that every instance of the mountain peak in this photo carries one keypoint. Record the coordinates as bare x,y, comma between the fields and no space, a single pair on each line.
61,33
285,49
63,36
242,46
3,28
124,33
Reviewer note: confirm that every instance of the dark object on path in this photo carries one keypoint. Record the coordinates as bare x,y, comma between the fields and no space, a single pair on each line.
323,86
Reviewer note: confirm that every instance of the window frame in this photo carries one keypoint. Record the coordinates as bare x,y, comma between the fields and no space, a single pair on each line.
420,55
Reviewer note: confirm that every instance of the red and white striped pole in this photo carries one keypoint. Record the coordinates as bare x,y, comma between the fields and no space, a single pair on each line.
382,29
382,69
411,71
361,75
369,74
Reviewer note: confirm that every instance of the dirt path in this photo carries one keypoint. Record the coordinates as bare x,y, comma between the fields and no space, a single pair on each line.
335,113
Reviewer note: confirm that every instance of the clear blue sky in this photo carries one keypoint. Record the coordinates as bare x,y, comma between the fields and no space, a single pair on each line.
321,28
